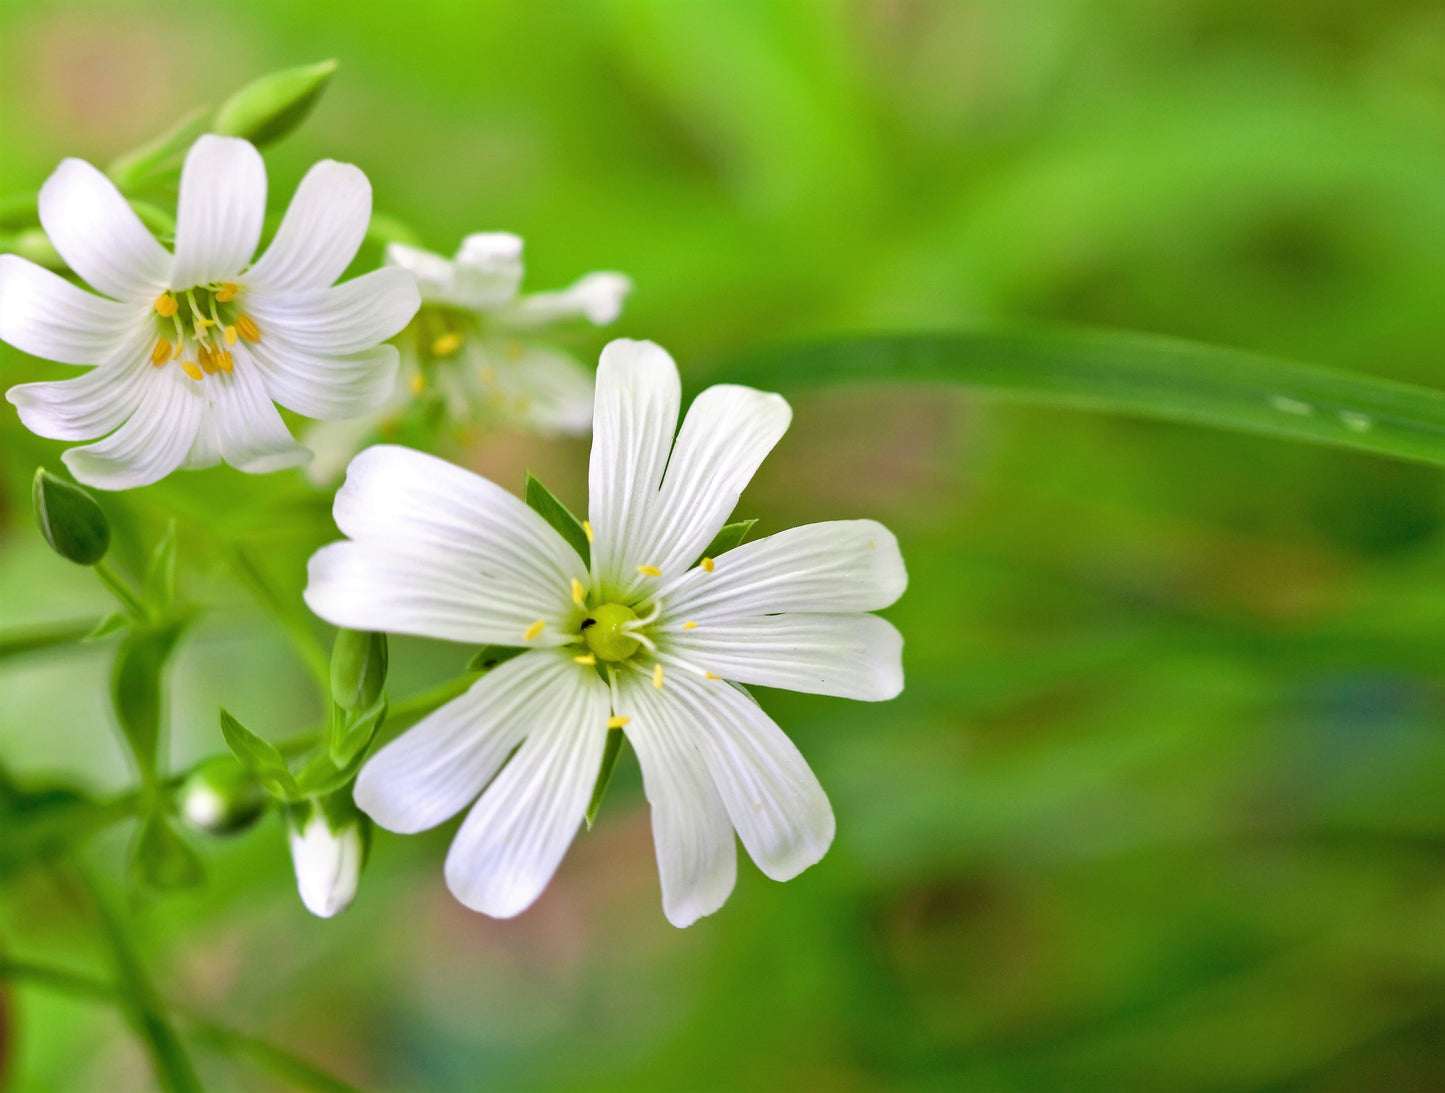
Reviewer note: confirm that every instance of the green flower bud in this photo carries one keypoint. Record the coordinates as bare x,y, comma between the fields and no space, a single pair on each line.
265,110
221,797
358,669
69,518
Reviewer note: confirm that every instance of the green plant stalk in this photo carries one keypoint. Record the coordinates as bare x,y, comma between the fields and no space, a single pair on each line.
31,639
121,590
317,659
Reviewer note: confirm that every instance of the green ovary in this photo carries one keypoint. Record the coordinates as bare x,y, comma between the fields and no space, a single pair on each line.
604,632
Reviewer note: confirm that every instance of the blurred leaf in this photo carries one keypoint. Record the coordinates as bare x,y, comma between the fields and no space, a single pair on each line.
19,210
111,624
159,156
159,588
543,502
162,860
30,639
265,110
260,757
615,740
136,689
730,536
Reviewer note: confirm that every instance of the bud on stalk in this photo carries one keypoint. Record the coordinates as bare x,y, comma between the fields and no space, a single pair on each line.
265,110
70,519
358,669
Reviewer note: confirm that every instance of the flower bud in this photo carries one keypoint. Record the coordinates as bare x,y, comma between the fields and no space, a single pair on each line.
328,849
69,518
221,797
358,669
265,110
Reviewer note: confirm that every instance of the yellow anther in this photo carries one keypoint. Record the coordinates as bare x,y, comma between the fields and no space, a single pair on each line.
206,357
166,305
587,530
447,344
578,592
227,293
689,626
535,630
192,369
418,383
616,721
657,676
247,328
515,350
230,333
588,660
708,565
202,322
649,571
161,353
709,675
226,361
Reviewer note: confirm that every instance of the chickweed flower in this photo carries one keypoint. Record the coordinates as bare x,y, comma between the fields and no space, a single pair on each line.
327,852
648,639
188,351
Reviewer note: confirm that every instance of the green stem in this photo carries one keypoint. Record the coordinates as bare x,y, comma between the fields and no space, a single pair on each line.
31,639
297,629
121,590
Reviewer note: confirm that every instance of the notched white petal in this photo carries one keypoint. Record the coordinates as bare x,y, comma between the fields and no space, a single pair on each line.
154,442
353,316
99,235
320,234
221,206
43,314
597,297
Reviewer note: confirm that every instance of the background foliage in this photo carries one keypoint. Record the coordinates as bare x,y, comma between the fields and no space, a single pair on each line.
1160,806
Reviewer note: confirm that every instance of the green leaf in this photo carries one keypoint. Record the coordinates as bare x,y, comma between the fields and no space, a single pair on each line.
265,110
22,210
136,689
31,639
260,757
353,731
159,587
1133,374
490,656
162,860
69,518
111,624
615,740
730,536
543,502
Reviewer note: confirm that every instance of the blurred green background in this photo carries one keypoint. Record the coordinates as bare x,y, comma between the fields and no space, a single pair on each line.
1160,807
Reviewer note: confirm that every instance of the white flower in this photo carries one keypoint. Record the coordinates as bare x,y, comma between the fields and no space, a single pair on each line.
476,346
190,350
437,551
328,863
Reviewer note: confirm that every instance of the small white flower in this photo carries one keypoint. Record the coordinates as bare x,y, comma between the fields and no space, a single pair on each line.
327,862
190,350
478,346
437,551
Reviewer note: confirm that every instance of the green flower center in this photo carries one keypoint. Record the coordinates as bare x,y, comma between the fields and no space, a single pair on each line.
605,629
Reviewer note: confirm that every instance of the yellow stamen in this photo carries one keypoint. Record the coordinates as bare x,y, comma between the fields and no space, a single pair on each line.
418,383
166,305
227,293
709,675
161,353
247,328
535,630
657,676
226,361
447,344
649,571
689,626
708,565
588,660
207,357
230,333
587,530
202,322
578,592
616,721
192,369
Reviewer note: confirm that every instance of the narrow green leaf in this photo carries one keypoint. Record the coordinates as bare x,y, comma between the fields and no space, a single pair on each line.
111,624
543,502
162,860
136,689
490,656
159,588
730,536
615,740
260,757
357,730
31,639
1131,374
266,109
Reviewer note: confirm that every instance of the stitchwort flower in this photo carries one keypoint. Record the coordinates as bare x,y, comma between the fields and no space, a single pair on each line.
649,638
188,351
479,351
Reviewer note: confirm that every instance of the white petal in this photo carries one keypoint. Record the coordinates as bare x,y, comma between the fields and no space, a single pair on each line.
696,854
638,394
222,204
333,443
352,316
543,389
323,228
93,404
250,433
441,552
728,432
598,298
773,799
327,388
487,271
513,839
153,443
835,567
328,865
99,235
850,656
206,448
43,314
436,768
433,273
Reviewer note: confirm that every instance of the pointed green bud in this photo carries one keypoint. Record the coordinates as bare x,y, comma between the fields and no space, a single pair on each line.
221,797
70,519
265,110
358,669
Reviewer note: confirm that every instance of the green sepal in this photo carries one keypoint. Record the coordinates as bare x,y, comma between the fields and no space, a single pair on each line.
159,588
321,775
162,860
136,688
610,755
358,669
544,503
730,536
111,624
352,731
261,758
490,656
265,110
70,519
158,156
